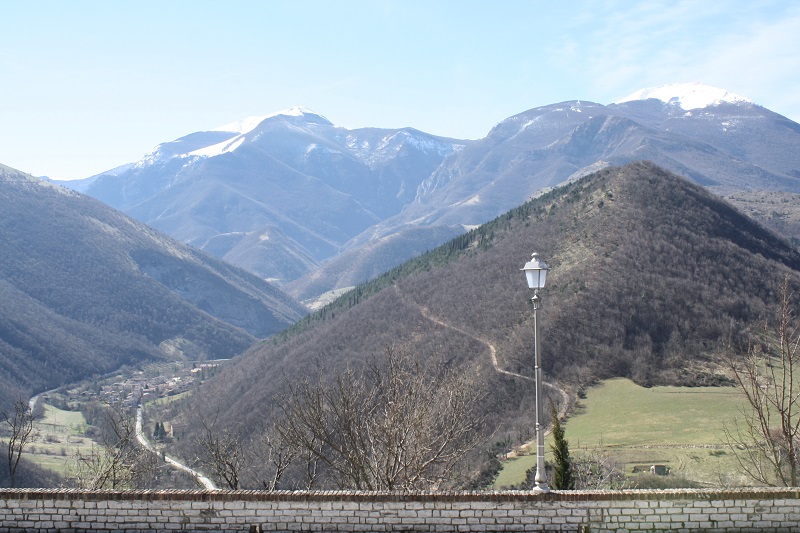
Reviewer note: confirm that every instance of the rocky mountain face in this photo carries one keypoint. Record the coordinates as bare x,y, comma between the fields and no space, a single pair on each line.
316,208
86,289
276,195
652,277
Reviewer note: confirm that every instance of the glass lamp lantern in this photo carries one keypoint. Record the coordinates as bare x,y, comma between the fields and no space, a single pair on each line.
536,272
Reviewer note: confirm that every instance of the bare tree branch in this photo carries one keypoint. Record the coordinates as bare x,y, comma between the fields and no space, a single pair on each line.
224,453
118,462
765,437
20,424
393,426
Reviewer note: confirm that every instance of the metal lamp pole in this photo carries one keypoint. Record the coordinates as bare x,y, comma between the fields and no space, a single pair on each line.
536,272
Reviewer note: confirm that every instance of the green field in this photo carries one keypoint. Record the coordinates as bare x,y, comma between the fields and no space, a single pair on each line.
59,437
679,427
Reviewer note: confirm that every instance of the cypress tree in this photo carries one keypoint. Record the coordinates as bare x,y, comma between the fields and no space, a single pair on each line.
562,468
159,432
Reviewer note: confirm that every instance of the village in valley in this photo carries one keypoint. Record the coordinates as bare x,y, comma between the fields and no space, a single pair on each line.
131,387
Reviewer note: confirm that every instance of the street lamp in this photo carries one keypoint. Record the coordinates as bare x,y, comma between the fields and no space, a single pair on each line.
536,272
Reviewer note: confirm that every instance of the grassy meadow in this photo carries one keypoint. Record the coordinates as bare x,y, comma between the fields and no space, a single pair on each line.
59,437
679,427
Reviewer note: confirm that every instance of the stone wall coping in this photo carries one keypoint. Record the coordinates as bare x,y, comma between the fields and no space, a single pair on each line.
389,497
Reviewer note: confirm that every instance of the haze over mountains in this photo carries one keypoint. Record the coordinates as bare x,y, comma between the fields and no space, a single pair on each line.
86,289
297,200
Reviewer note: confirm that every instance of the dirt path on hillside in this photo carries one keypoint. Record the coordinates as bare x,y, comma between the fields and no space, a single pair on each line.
563,405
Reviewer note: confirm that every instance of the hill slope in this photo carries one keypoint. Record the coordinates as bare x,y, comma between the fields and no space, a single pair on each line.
650,274
86,289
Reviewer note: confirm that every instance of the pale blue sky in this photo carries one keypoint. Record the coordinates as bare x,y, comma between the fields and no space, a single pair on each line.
86,86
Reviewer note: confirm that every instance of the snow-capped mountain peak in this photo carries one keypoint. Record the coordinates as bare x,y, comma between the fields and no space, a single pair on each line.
248,124
686,95
223,139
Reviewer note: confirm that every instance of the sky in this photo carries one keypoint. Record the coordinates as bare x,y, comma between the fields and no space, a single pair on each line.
87,86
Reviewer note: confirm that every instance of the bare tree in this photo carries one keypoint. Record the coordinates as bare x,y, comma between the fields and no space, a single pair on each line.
597,470
393,426
117,462
20,424
276,456
765,437
224,453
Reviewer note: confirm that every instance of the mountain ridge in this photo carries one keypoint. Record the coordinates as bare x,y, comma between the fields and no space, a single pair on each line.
352,189
87,289
315,183
687,96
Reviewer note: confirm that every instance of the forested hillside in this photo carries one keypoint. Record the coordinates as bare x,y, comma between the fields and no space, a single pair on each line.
85,289
652,277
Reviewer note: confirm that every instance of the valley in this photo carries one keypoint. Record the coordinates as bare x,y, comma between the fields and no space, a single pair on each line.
63,436
625,241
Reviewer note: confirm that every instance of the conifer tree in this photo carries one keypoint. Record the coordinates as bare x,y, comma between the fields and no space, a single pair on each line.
563,478
160,432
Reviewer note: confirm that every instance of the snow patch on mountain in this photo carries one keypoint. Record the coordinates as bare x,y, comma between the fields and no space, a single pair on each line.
241,127
219,148
429,145
360,149
686,95
150,158
314,147
248,124
392,143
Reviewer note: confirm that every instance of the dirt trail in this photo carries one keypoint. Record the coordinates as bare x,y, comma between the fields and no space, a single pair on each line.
483,340
563,405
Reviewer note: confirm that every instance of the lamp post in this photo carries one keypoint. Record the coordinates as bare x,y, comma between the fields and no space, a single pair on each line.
536,272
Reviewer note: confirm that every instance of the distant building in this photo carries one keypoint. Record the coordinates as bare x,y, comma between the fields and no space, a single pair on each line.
659,470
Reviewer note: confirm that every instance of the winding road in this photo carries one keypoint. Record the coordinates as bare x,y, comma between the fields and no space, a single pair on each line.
200,478
144,443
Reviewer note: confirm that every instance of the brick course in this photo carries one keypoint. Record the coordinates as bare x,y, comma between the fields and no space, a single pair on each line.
755,510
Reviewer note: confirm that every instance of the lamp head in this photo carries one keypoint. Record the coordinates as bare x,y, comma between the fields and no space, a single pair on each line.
535,272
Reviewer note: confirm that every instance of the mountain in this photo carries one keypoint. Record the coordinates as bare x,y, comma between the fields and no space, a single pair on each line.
687,96
719,140
727,146
651,277
86,289
361,263
276,194
339,206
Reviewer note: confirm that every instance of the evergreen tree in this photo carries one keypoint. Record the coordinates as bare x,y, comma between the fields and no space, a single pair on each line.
160,432
563,478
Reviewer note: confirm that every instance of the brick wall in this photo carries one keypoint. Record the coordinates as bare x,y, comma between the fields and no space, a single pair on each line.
754,510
